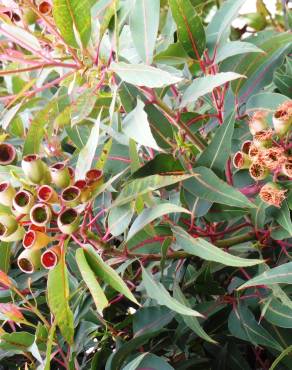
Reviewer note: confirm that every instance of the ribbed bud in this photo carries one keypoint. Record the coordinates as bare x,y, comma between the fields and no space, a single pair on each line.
33,168
70,196
68,221
50,257
7,193
23,201
60,175
258,122
29,260
272,194
282,118
241,160
257,171
40,214
47,194
7,154
35,239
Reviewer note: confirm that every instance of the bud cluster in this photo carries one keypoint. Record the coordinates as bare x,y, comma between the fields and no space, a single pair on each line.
45,209
268,152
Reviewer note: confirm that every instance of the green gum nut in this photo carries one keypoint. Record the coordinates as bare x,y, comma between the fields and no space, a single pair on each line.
8,225
60,175
68,221
241,160
34,168
70,196
16,236
40,214
29,260
7,154
23,201
7,193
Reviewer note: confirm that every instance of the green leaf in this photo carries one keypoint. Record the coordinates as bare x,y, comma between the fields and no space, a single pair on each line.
143,75
279,314
191,322
277,275
156,291
82,107
73,19
243,325
204,85
264,101
283,217
144,185
219,28
49,346
218,151
88,276
150,214
134,364
174,55
119,218
209,252
151,361
28,41
229,49
87,153
58,299
107,274
144,22
280,357
258,215
191,33
137,127
205,184
19,341
5,250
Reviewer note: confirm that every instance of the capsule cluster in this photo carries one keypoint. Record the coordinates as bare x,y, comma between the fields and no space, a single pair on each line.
47,207
269,152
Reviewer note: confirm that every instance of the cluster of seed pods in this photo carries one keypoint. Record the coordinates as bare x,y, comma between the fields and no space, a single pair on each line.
47,207
268,153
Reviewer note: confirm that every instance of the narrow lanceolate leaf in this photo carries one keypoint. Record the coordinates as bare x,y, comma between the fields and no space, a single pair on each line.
190,29
5,249
137,127
144,185
144,22
209,252
219,28
205,184
279,314
107,274
156,290
17,34
144,75
191,322
242,324
230,49
217,153
119,218
87,153
284,218
58,299
277,275
89,278
73,19
150,214
204,85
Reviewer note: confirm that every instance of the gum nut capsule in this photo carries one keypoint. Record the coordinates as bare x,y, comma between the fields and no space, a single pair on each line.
60,174
33,168
23,201
16,236
47,194
258,122
35,239
29,260
7,193
7,154
68,221
50,257
70,196
241,160
40,214
282,118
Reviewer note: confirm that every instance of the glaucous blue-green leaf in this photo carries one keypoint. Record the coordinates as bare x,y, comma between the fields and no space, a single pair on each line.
264,101
174,55
205,184
204,85
89,278
144,22
156,291
150,214
151,361
243,325
119,218
218,151
191,33
283,77
73,19
202,248
137,127
277,275
144,75
229,49
258,215
283,217
279,314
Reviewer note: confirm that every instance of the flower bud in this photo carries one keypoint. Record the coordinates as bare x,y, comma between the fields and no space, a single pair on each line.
282,118
29,260
47,194
257,171
8,225
273,158
33,168
241,160
7,154
263,139
14,237
40,214
60,175
258,122
35,239
23,202
68,221
272,194
7,193
50,257
71,196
